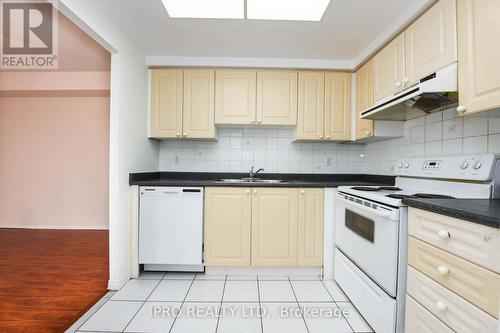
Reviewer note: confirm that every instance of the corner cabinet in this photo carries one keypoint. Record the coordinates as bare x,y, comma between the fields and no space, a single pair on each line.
263,226
182,104
364,99
227,224
478,50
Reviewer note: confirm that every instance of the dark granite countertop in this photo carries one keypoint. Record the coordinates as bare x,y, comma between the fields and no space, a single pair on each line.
481,211
289,180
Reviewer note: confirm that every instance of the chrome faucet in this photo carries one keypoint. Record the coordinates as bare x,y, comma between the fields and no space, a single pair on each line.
252,174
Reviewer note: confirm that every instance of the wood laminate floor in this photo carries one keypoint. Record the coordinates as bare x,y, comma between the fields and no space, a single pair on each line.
49,278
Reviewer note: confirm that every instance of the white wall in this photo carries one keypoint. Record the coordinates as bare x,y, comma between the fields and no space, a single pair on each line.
130,150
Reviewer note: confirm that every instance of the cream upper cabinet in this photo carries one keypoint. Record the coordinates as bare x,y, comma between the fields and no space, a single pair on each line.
198,109
364,99
478,50
227,221
310,227
431,41
311,106
235,97
166,103
337,106
274,226
277,97
389,68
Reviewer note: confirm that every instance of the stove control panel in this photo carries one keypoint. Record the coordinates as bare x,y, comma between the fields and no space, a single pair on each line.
466,167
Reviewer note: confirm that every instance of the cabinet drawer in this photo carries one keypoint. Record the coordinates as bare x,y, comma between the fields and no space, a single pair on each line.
474,283
419,320
474,242
453,310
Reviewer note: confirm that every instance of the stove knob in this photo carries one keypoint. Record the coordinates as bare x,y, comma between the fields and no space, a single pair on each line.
476,165
400,165
406,164
464,165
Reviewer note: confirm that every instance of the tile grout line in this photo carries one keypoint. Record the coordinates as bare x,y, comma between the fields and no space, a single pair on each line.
221,300
260,306
334,301
144,302
297,300
182,303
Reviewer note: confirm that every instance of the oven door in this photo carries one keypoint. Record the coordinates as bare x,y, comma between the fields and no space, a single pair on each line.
367,233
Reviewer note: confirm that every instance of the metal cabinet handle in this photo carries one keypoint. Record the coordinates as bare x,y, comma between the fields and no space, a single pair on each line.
254,191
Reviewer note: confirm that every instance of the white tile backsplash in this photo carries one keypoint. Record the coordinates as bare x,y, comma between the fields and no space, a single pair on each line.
237,149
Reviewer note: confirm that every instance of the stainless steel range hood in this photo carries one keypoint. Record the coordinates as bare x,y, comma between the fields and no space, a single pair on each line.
433,93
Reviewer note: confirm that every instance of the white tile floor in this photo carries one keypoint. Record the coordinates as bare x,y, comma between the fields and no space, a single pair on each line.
192,303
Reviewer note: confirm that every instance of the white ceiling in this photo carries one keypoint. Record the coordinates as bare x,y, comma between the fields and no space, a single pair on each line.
349,32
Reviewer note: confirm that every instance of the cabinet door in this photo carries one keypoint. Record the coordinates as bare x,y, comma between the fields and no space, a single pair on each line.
227,226
166,103
478,50
311,105
389,68
431,41
364,99
274,226
337,106
235,94
277,98
198,110
310,227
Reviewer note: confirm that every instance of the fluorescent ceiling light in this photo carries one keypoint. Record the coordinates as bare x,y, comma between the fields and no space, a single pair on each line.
294,10
223,9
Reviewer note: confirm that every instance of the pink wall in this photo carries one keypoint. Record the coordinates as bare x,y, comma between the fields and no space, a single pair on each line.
54,146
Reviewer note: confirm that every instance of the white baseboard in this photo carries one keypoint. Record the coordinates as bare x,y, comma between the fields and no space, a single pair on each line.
49,226
269,271
117,284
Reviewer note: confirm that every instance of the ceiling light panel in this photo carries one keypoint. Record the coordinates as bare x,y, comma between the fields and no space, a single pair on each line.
220,9
294,10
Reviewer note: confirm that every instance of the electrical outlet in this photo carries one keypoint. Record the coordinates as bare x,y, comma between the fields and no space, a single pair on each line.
176,159
329,161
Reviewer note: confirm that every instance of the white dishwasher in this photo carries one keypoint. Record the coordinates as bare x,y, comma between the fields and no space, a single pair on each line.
171,228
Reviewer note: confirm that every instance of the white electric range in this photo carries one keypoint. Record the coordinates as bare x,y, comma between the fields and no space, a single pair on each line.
371,229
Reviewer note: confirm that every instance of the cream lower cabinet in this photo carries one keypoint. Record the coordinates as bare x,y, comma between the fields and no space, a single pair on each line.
274,226
478,50
267,226
419,320
310,227
182,104
227,226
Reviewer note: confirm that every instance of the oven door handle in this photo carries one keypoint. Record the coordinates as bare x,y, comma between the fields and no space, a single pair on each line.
391,215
